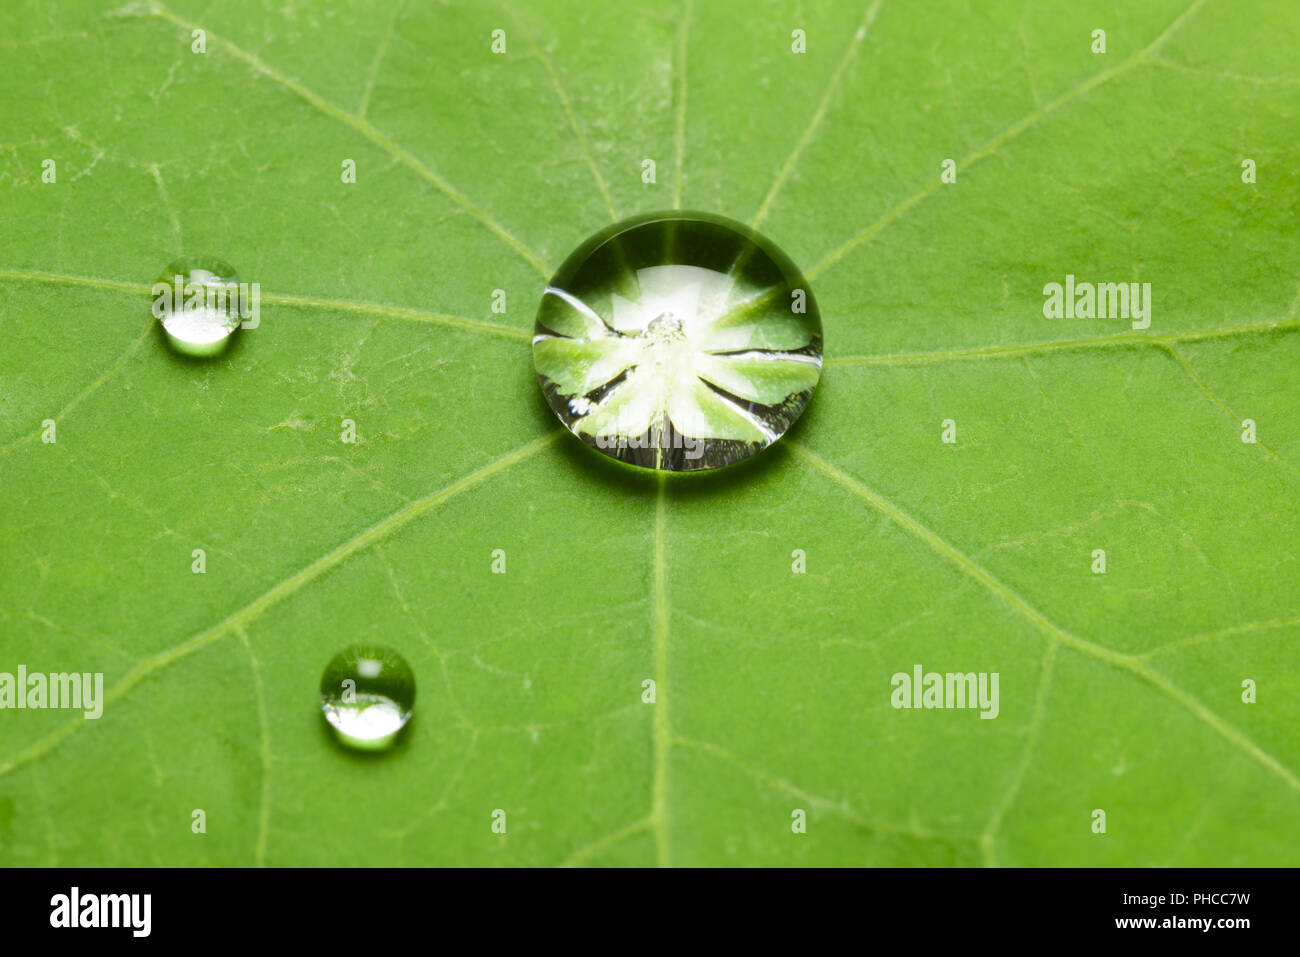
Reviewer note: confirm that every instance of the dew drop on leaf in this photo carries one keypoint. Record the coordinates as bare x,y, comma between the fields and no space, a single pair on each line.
199,311
366,695
678,341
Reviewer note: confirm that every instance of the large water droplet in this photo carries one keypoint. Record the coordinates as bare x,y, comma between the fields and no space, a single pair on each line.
678,341
367,694
200,312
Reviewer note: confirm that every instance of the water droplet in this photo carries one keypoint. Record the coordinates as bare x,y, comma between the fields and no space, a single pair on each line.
367,694
200,312
678,341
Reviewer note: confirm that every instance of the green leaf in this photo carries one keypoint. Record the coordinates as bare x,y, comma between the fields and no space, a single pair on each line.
478,172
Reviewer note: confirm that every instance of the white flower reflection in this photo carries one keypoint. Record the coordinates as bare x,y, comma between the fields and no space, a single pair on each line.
684,352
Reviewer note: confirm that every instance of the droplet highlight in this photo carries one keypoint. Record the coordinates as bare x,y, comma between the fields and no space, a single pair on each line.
197,301
678,341
367,694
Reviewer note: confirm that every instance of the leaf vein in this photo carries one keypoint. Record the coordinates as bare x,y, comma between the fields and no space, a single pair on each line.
679,131
1131,663
1056,345
364,127
380,54
1011,132
383,310
273,596
264,808
583,147
868,18
662,727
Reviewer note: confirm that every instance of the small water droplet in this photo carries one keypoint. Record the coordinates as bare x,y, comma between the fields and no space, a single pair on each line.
366,694
678,341
200,312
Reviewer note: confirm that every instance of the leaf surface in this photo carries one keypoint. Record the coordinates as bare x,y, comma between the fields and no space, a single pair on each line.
479,172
